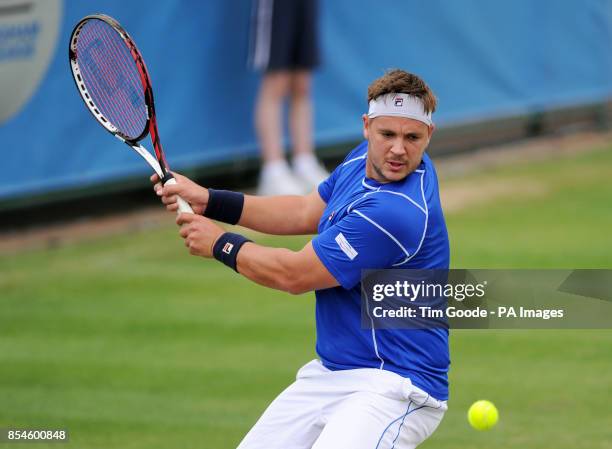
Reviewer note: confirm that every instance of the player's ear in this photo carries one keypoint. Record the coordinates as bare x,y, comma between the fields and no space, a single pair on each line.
430,131
366,123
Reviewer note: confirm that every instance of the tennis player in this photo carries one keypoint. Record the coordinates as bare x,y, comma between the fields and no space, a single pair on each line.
380,208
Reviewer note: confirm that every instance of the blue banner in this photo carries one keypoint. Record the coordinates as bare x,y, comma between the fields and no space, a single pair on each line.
483,59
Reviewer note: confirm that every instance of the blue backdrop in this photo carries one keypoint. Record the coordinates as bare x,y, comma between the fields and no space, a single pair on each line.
483,59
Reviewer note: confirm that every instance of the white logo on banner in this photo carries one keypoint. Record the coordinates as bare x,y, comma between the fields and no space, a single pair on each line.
28,35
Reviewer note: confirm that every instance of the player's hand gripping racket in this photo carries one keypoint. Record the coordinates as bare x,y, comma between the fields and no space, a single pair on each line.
113,81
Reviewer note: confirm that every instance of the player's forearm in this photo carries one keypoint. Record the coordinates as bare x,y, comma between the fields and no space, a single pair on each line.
278,215
276,268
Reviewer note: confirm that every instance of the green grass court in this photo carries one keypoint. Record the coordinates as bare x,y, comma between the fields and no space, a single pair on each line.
128,342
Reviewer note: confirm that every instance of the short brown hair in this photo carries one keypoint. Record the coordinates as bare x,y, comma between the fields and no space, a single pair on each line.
401,82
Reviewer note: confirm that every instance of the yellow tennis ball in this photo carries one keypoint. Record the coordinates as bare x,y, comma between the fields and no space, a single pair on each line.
483,415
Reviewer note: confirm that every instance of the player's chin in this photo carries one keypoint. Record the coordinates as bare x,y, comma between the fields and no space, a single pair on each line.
396,172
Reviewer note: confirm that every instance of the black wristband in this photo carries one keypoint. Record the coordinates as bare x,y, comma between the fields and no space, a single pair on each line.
226,248
224,205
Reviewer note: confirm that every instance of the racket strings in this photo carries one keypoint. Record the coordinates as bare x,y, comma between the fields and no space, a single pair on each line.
111,76
105,74
111,81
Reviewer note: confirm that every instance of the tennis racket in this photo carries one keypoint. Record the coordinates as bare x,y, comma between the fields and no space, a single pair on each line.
111,76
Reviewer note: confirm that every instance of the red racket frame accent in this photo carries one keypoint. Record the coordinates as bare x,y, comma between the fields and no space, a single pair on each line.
151,127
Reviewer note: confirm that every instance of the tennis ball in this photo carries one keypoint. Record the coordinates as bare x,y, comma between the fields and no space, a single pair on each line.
483,415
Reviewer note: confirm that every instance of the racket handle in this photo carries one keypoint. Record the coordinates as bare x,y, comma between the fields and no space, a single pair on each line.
183,206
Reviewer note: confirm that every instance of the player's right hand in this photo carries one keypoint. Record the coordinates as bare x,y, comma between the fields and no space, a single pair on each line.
194,194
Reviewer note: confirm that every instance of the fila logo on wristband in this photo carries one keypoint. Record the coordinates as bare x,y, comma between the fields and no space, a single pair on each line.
227,247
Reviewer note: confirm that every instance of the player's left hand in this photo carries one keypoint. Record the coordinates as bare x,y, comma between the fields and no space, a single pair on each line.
194,194
200,233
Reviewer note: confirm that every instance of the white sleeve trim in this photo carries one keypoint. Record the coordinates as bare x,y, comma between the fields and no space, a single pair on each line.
363,156
413,202
421,208
387,233
424,228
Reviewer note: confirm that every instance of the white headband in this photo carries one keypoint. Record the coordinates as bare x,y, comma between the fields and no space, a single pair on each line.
400,105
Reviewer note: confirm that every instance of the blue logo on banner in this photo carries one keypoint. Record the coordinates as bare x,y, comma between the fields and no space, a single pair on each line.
18,41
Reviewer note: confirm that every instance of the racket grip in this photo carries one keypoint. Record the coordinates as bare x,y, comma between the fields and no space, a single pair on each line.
183,206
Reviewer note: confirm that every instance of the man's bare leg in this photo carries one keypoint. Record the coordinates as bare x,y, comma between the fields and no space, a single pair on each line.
305,163
276,177
268,113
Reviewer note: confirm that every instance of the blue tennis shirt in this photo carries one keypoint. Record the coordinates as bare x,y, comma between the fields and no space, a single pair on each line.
369,225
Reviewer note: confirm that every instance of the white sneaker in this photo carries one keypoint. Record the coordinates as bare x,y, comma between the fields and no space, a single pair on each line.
276,179
308,169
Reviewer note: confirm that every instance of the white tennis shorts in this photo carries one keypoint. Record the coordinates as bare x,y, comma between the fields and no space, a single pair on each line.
348,409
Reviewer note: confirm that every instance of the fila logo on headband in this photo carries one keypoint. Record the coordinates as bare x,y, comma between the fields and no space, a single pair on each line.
227,248
399,105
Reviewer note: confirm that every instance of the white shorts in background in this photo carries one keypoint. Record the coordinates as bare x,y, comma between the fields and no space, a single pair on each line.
348,409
